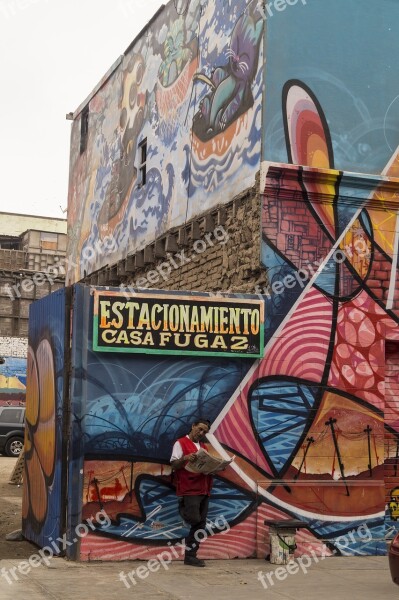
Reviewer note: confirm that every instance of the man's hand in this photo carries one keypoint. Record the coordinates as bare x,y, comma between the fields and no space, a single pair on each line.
178,464
190,457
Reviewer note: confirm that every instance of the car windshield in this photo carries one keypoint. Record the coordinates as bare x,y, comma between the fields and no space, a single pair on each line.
12,415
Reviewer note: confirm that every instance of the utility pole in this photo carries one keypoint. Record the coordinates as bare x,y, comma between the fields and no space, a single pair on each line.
368,430
310,441
331,422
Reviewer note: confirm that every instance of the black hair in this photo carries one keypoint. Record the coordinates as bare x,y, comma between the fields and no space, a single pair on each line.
205,421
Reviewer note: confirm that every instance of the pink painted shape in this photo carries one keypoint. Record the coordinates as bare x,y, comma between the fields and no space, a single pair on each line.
358,359
302,347
235,431
299,351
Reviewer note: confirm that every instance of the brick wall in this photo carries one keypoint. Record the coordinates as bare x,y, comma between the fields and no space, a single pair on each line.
219,251
15,347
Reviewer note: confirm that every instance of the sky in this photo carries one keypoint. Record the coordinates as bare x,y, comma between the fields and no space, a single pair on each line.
53,53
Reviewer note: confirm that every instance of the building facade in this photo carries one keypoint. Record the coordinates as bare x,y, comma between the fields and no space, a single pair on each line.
32,265
238,147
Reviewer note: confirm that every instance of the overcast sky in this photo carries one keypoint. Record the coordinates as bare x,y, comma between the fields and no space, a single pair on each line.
53,53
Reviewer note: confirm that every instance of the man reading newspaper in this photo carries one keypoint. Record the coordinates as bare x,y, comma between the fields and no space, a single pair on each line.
207,464
194,484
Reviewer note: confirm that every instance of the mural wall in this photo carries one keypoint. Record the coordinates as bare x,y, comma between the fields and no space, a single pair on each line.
322,45
127,412
42,504
305,423
330,245
191,86
12,381
313,424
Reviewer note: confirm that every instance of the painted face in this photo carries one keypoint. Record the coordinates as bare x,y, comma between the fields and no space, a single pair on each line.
199,431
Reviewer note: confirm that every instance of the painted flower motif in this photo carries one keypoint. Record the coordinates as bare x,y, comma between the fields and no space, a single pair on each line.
40,439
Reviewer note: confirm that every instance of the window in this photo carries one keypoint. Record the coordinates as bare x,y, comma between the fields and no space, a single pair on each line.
11,415
48,241
10,243
84,129
290,242
143,162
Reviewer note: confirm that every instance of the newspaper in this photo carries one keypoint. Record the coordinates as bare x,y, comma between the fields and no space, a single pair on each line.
207,464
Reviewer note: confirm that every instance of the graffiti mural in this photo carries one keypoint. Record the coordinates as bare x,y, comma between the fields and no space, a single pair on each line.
394,504
362,104
314,424
330,248
309,423
42,491
190,90
277,415
12,381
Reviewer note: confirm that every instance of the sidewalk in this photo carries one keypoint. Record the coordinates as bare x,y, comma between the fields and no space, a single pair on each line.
334,578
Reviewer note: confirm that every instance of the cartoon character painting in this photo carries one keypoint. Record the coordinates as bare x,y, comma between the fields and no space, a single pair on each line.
231,84
180,62
176,54
124,171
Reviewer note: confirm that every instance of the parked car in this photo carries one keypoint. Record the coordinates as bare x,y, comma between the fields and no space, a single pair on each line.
394,559
12,429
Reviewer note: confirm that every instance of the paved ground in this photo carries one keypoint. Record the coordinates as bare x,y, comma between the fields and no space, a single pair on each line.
331,579
335,578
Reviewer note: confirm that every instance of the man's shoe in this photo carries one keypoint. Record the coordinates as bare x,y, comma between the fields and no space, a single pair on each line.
193,561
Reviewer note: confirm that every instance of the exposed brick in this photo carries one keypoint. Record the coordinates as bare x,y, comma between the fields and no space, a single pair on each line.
15,347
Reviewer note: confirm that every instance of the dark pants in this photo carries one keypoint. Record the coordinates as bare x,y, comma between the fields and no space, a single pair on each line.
194,510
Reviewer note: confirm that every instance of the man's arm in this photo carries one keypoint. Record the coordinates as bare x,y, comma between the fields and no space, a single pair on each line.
179,462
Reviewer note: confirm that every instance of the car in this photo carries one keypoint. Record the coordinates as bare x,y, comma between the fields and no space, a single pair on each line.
394,559
12,429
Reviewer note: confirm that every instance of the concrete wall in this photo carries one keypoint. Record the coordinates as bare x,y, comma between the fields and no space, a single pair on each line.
14,224
30,272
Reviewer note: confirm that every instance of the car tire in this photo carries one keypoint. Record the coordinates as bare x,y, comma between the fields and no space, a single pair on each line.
14,446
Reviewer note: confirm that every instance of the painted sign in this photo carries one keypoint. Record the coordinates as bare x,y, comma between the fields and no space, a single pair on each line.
158,324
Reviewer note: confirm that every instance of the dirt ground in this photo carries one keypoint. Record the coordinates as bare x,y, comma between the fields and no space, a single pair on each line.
10,513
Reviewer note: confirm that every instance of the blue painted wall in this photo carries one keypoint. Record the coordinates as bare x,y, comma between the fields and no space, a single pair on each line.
345,52
43,503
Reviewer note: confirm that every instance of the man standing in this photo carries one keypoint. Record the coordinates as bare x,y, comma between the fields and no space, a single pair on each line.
192,489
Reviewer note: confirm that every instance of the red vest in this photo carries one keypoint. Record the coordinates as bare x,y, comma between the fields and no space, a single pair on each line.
191,484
